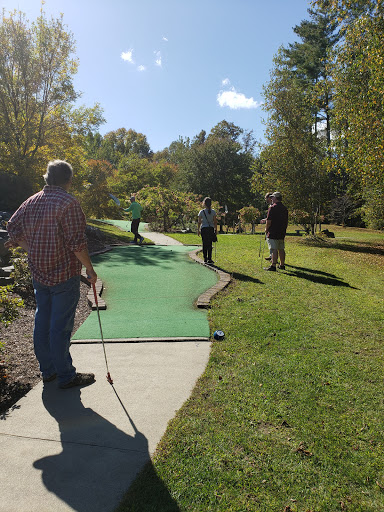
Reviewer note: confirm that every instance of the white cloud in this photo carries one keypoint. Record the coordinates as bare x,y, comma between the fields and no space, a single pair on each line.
236,100
225,82
165,39
158,59
141,68
128,56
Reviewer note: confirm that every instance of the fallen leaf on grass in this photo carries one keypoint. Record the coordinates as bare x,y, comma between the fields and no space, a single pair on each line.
380,485
301,449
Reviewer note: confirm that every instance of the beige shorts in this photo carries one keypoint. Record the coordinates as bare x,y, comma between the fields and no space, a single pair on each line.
276,245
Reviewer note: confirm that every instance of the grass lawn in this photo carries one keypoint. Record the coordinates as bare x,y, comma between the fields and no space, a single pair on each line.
111,231
114,233
288,415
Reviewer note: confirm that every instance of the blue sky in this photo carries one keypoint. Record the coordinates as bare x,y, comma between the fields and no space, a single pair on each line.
170,68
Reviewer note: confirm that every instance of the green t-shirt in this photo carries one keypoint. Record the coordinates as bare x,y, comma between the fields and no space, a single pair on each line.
136,210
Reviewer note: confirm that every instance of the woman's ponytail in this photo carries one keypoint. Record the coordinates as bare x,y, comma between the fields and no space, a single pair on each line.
208,204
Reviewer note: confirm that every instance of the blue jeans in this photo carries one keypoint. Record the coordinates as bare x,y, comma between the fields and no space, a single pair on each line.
54,319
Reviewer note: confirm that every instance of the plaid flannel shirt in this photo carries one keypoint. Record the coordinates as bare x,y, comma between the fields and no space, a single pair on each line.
53,225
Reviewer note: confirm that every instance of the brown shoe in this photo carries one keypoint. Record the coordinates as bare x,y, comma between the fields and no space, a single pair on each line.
81,379
272,268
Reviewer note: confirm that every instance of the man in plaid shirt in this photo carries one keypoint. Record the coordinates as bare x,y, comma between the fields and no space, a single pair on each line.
50,226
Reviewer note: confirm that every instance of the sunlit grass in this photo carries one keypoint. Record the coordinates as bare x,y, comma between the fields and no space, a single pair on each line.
289,412
113,232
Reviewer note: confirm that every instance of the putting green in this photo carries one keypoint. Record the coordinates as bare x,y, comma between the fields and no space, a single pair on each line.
150,292
125,224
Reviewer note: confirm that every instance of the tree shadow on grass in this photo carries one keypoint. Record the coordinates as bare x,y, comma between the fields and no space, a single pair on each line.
316,276
362,247
349,246
157,256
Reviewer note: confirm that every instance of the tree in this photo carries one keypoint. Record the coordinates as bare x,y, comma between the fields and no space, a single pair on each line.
94,195
358,77
164,206
124,142
293,153
218,166
309,58
298,98
347,11
37,118
249,215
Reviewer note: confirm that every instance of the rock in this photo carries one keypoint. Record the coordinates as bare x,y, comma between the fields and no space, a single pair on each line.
5,281
6,271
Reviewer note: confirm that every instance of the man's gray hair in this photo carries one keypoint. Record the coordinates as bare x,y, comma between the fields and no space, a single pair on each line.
58,173
278,196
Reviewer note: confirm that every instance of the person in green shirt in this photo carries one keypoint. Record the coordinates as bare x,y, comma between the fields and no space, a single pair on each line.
136,210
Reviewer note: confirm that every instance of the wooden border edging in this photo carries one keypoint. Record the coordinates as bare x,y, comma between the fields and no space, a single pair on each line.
99,285
224,279
178,339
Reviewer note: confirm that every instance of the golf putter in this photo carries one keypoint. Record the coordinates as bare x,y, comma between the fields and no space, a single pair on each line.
109,378
115,199
262,254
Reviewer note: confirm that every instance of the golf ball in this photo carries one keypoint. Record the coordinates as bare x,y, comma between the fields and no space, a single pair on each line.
218,335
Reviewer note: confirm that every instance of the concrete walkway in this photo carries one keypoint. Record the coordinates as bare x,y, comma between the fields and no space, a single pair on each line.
80,449
160,239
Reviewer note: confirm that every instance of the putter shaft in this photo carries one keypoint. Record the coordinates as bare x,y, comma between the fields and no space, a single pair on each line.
109,378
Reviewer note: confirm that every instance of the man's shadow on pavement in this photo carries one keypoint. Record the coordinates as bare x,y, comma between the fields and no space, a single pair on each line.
98,461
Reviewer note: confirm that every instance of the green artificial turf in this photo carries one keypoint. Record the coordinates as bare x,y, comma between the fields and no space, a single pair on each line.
150,292
125,224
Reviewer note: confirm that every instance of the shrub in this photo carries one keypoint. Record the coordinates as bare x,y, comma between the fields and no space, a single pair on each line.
21,274
8,306
249,215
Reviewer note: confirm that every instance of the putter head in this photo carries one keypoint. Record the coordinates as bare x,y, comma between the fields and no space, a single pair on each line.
114,198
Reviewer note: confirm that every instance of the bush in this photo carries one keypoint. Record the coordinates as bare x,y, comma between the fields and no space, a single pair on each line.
8,306
373,210
21,274
249,215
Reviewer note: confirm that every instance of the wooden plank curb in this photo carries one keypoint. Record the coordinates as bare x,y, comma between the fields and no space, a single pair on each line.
224,279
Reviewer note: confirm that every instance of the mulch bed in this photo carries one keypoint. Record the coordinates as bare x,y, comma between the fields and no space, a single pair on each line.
19,370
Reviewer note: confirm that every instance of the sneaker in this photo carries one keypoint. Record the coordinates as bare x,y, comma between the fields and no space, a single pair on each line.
282,267
141,240
50,378
210,262
81,379
272,268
